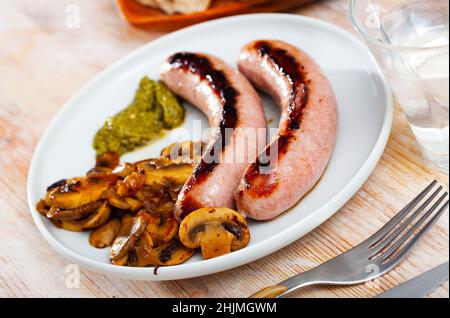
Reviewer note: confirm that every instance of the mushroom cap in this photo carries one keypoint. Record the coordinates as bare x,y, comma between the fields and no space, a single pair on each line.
217,231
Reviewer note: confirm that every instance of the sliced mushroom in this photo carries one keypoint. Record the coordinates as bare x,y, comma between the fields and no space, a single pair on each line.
139,256
98,218
129,233
218,231
162,229
123,261
105,235
107,162
130,185
57,214
128,218
166,208
169,254
73,226
125,169
57,223
184,152
127,204
150,203
145,253
77,192
158,200
42,208
162,171
94,220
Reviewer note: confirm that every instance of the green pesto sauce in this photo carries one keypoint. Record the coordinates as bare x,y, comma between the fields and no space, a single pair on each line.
154,110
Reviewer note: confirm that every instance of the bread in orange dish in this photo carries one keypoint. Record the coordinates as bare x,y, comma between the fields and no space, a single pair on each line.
177,6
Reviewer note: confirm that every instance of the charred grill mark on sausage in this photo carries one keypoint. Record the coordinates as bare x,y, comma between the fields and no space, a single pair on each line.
228,95
263,184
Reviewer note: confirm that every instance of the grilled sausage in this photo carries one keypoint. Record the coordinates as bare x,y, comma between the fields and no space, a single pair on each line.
235,113
300,151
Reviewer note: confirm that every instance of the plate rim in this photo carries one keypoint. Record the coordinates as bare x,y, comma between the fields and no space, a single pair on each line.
259,250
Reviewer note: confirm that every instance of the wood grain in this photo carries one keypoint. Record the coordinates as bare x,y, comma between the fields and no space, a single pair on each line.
43,62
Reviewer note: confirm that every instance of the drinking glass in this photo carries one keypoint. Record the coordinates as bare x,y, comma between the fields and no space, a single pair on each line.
410,41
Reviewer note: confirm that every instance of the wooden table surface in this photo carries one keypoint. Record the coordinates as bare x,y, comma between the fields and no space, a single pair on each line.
45,59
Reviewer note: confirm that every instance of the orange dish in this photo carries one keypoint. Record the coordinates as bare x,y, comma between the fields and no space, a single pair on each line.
138,14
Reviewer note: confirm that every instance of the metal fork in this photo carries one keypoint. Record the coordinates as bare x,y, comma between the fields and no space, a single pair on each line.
377,255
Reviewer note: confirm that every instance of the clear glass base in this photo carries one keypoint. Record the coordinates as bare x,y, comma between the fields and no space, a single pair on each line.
434,143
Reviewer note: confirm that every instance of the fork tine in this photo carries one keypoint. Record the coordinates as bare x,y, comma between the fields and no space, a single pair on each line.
377,237
422,232
385,241
411,231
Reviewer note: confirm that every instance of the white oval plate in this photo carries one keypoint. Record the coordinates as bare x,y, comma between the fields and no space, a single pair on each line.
365,109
